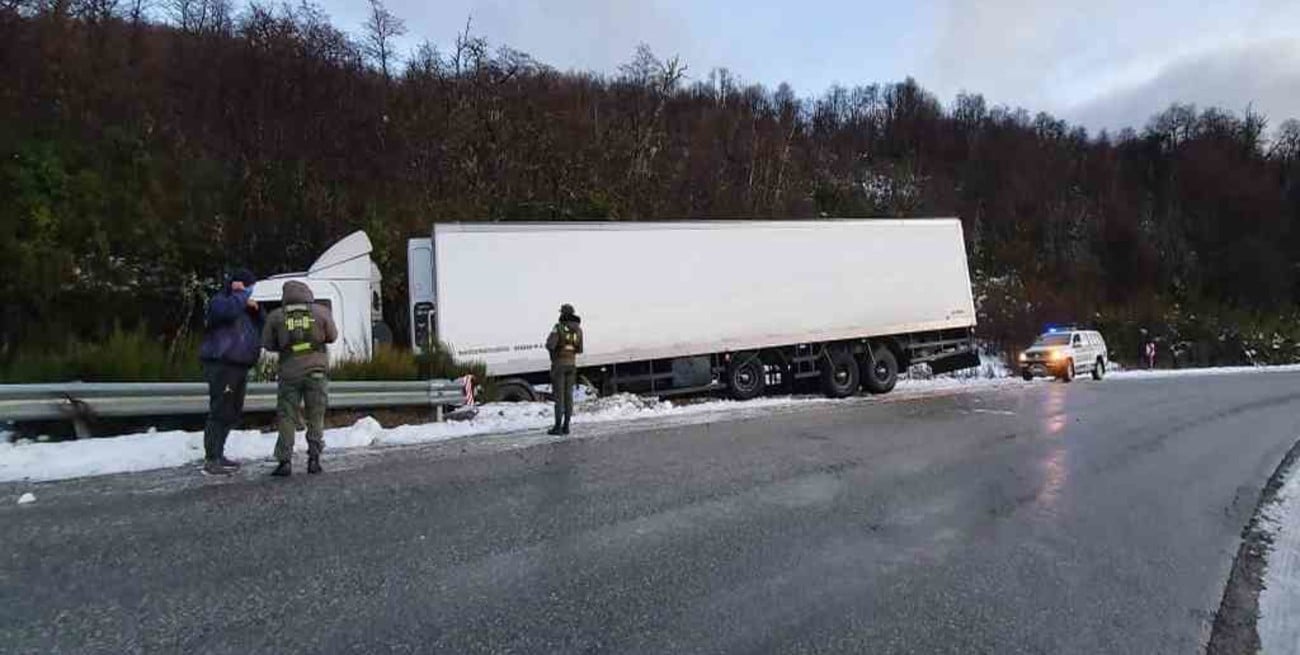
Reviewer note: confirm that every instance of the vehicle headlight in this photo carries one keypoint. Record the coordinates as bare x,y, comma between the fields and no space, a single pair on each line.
1058,354
1024,356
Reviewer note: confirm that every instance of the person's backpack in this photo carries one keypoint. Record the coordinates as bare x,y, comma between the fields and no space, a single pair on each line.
568,338
299,324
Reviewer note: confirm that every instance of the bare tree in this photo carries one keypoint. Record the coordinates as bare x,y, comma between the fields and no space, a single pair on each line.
95,11
201,16
382,30
1286,142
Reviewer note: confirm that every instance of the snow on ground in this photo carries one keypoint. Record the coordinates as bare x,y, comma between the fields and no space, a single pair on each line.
36,461
1141,374
41,461
1279,601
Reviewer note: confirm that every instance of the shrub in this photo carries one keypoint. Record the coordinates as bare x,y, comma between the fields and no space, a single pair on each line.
392,363
124,356
387,363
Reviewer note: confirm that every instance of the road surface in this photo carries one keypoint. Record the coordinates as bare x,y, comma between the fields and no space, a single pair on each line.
1043,517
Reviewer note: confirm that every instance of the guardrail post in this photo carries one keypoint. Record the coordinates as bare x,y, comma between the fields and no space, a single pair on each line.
78,413
433,401
80,427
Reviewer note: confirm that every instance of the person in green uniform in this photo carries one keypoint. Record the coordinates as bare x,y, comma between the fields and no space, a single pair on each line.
298,331
564,344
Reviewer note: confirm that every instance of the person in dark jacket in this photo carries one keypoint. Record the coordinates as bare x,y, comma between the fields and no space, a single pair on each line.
565,344
298,331
231,345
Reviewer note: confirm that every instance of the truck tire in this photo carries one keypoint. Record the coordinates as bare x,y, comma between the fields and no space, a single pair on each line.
840,374
746,377
1099,369
882,377
515,391
1067,375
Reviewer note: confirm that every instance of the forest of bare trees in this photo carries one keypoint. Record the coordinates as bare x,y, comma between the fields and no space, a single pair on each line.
144,148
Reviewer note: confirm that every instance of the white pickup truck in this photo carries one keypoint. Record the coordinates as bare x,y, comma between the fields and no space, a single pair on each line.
1063,353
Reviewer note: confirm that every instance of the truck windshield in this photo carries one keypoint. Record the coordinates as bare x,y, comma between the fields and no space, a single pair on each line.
1053,340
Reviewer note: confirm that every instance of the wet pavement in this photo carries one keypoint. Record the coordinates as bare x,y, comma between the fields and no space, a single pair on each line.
1043,517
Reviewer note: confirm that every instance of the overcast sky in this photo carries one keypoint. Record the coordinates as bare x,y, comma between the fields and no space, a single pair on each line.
1101,63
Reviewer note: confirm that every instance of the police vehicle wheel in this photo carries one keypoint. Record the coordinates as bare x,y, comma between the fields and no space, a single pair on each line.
1068,375
883,375
840,375
1099,370
746,377
1029,377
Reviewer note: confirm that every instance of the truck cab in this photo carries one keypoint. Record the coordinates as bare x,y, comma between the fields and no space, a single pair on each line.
345,280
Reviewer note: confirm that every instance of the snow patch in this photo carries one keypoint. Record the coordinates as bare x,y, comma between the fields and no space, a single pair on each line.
990,368
42,460
38,461
1279,601
27,498
1157,374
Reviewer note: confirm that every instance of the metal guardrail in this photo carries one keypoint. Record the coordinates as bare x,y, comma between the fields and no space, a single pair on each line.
78,401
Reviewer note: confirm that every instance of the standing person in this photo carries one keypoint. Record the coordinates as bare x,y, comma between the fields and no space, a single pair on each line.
1151,354
298,331
231,345
564,344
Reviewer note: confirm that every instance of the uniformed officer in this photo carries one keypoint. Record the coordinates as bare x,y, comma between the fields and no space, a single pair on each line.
298,331
564,344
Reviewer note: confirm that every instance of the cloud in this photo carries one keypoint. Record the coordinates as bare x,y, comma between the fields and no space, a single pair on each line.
1093,61
593,35
1100,62
1019,51
1262,76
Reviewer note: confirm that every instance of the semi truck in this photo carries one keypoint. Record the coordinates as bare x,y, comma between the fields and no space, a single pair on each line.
741,307
347,281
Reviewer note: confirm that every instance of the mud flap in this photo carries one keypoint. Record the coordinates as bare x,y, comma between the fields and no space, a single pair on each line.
954,362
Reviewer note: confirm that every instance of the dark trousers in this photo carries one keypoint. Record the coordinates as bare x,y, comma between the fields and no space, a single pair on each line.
563,378
227,384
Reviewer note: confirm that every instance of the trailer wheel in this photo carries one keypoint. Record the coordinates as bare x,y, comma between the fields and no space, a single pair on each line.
840,374
883,375
746,376
515,391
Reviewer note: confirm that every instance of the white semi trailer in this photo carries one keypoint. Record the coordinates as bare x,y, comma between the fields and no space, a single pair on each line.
683,307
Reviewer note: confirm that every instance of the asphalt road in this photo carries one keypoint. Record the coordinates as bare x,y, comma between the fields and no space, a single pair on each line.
1085,518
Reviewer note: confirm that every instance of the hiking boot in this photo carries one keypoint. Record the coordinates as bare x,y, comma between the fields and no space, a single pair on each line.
564,429
214,467
313,466
229,463
555,431
284,470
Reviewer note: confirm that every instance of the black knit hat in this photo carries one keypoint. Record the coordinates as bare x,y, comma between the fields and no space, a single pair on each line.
243,275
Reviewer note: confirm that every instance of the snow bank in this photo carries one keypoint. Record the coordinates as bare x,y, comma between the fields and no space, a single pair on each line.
990,368
1140,374
37,461
1279,601
40,461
